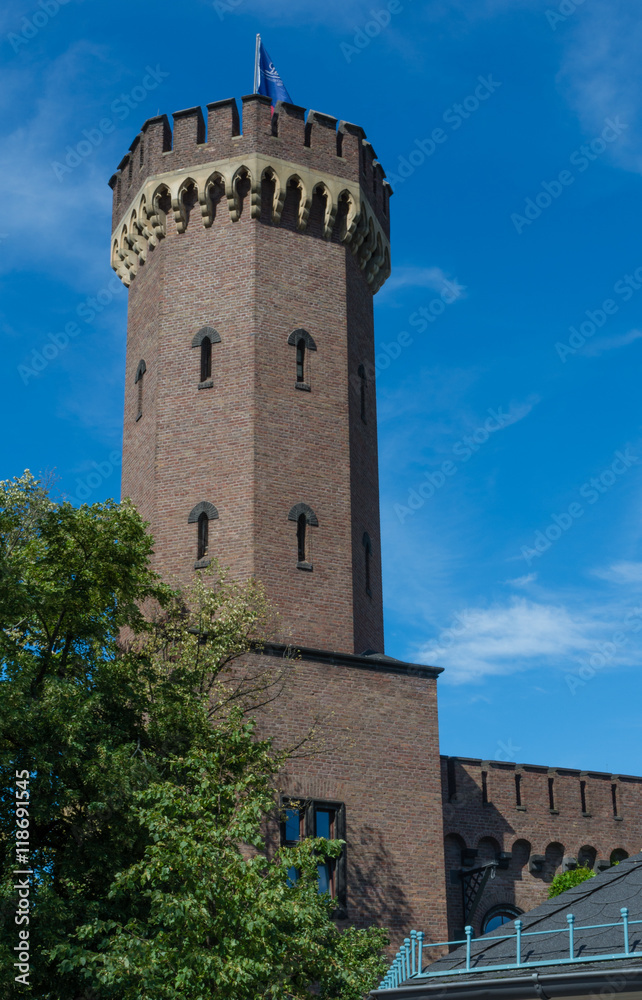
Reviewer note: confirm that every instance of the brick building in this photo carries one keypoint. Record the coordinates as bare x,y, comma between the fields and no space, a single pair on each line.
252,248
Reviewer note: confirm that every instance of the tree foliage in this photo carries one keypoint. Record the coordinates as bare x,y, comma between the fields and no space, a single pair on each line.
149,785
566,880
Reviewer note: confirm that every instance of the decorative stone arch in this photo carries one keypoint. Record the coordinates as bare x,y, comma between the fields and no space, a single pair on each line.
206,331
305,199
302,508
351,217
242,172
278,198
330,212
157,213
204,507
178,203
302,334
207,201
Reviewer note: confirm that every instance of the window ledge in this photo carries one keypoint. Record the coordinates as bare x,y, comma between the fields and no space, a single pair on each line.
587,814
618,819
206,385
303,386
554,812
138,416
521,809
202,563
304,565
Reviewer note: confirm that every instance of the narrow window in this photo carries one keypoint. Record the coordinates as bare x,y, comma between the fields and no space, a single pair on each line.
203,535
614,799
583,796
300,360
518,789
291,834
362,390
301,525
206,359
452,779
484,776
139,381
367,546
324,826
551,794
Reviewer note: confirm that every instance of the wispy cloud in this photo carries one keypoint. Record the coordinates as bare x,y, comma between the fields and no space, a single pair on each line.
507,638
422,277
522,581
596,347
622,572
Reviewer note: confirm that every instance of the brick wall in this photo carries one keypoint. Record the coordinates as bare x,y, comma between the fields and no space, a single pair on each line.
481,813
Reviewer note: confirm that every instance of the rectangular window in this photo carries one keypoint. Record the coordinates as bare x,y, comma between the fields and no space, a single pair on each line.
518,789
317,818
583,796
551,794
484,777
614,799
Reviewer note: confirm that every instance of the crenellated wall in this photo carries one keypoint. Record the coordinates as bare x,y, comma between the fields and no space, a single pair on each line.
548,819
167,171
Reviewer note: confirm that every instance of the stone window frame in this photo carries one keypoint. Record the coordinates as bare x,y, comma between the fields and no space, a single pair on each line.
209,510
307,809
293,340
197,341
303,510
139,381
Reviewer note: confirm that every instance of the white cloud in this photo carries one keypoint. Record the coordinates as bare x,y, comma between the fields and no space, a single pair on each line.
623,572
522,581
597,347
602,71
504,639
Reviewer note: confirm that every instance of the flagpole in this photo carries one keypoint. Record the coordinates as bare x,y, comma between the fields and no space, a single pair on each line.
256,64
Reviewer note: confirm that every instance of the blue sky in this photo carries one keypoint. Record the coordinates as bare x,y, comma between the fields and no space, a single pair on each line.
510,428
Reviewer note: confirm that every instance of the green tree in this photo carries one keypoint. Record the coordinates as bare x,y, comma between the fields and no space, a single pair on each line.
149,786
566,880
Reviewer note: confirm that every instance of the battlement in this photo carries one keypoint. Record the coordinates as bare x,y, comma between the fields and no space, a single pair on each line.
317,142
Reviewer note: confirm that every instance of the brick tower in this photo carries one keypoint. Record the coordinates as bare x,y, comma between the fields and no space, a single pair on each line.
252,256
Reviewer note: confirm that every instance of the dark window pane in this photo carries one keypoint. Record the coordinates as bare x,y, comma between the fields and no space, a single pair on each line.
323,823
300,537
293,876
325,884
292,825
497,921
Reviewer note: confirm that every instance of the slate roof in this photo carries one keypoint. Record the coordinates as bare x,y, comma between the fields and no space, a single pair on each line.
596,901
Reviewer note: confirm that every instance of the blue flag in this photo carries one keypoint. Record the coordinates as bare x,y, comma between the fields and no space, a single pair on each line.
268,80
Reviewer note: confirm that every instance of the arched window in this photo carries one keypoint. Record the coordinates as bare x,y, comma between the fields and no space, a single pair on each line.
498,915
139,381
203,535
204,339
303,516
367,546
361,372
303,342
201,515
206,359
300,360
301,526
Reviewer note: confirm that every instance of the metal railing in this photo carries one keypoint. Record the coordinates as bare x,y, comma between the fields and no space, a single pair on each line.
409,959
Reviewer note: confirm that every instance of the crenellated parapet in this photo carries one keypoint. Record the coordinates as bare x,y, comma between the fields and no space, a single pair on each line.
254,171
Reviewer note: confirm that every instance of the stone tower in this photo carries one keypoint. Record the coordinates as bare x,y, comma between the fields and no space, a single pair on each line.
268,246
252,255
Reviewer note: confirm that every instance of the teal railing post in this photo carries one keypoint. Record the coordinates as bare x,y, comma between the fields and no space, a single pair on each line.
625,923
413,938
406,964
571,943
468,931
420,961
518,941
